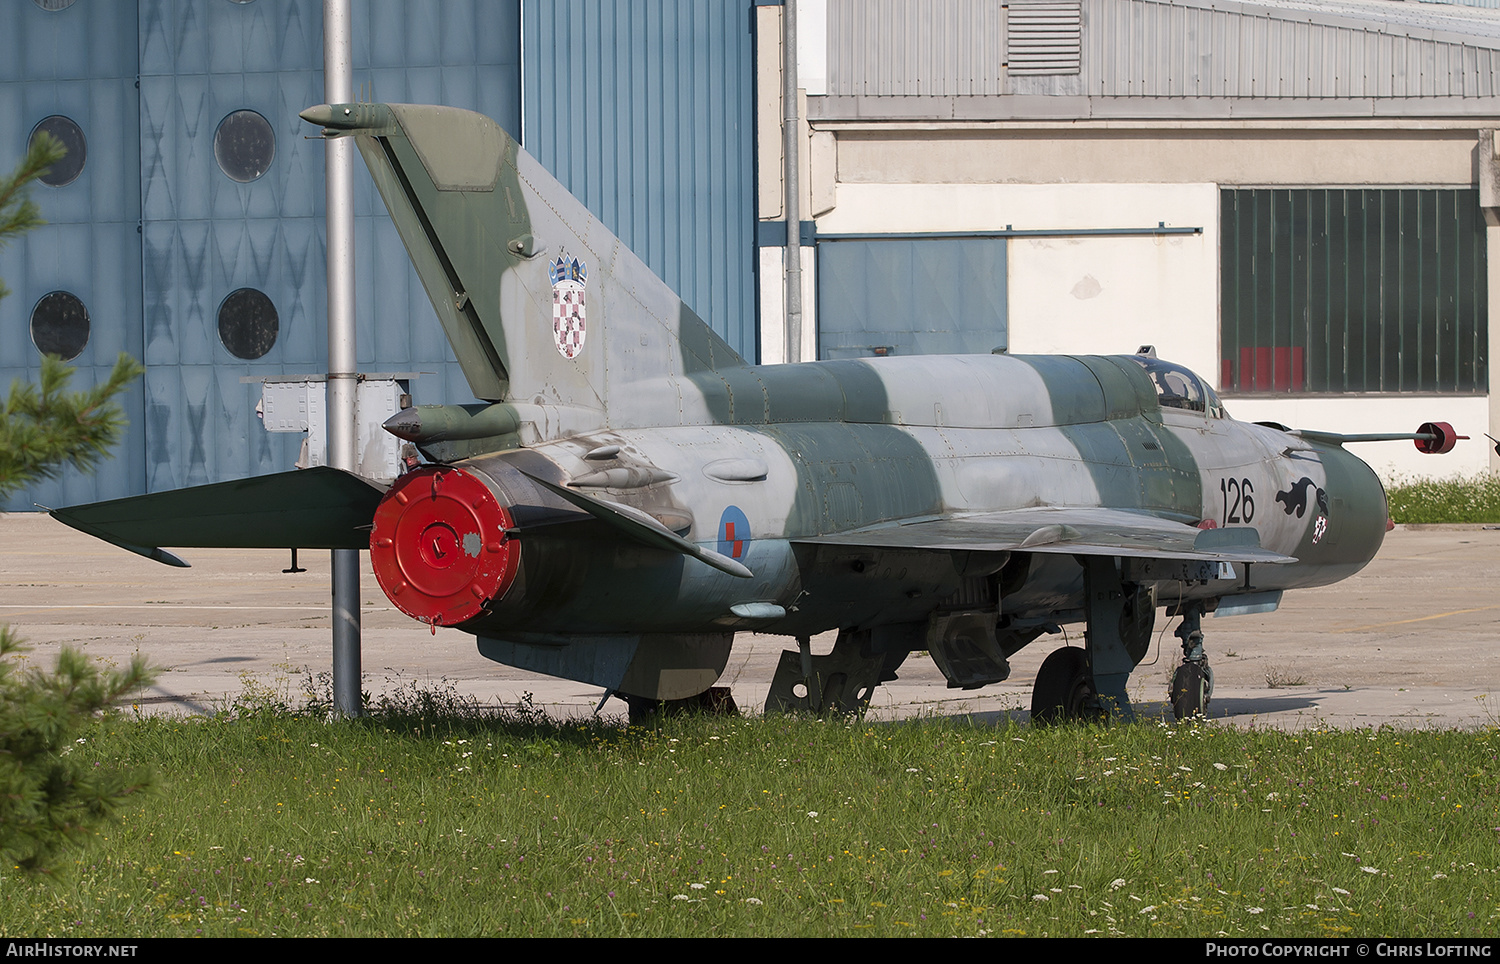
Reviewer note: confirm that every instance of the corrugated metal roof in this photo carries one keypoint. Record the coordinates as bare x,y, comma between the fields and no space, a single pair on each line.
1467,20
1150,48
1356,50
922,48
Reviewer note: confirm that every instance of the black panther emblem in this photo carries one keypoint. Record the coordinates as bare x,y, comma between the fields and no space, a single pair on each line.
1295,497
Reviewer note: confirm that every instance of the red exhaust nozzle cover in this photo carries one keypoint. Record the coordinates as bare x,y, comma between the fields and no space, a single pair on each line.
441,546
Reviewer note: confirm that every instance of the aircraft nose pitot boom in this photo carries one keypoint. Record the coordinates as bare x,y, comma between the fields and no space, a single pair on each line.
443,546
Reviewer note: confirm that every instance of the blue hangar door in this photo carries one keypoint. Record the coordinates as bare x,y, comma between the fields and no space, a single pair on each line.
645,110
911,296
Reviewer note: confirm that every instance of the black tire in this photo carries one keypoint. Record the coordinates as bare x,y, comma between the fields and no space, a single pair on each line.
1064,689
645,711
1192,688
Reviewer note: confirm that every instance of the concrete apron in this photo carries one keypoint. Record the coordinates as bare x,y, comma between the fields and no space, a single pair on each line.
1408,642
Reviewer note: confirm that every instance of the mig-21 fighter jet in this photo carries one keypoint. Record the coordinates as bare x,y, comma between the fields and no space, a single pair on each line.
629,493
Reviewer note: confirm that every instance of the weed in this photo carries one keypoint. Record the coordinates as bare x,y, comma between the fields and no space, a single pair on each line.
413,701
1278,677
1418,500
257,698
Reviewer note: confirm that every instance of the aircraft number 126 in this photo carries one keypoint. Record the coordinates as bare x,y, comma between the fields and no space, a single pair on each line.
1239,506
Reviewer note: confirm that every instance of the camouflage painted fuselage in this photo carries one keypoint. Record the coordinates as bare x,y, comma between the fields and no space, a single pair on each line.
767,456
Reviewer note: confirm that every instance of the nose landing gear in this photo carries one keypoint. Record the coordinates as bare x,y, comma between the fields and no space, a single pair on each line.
1193,683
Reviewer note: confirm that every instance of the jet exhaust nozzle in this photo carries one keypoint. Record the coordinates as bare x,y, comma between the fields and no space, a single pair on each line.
443,546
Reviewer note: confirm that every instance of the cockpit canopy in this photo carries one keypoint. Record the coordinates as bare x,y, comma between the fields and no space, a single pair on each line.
1178,387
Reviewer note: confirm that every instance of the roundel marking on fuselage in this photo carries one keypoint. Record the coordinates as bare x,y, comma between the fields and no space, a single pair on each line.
734,533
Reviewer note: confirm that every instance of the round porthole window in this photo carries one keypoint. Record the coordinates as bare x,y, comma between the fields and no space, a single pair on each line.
60,325
244,145
248,323
65,171
53,6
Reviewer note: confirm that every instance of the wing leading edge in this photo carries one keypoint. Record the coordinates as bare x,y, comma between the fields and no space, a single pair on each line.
1069,531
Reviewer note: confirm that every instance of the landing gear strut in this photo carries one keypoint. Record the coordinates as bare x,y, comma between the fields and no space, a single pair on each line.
1089,683
844,680
1193,683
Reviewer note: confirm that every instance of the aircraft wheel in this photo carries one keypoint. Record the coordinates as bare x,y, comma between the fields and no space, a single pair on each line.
645,711
1064,689
1192,688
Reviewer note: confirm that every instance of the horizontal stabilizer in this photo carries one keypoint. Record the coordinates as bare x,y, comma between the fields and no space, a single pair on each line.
317,508
1080,531
644,529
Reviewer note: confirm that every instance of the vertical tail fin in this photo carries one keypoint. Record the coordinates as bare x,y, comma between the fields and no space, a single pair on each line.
539,300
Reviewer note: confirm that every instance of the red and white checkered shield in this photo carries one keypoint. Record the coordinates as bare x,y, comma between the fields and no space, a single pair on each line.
568,321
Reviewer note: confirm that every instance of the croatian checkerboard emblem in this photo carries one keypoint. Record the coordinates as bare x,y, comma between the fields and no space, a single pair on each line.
568,320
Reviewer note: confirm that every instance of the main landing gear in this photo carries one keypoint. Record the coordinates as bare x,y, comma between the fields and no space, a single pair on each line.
841,682
645,711
1064,689
1088,684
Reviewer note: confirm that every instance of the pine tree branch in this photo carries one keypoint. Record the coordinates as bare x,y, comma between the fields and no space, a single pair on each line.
18,213
44,427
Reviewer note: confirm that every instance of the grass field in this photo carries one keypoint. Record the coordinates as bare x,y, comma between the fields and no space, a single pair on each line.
275,823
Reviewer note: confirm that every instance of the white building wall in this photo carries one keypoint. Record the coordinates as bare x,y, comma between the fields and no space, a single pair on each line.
1082,294
1356,415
